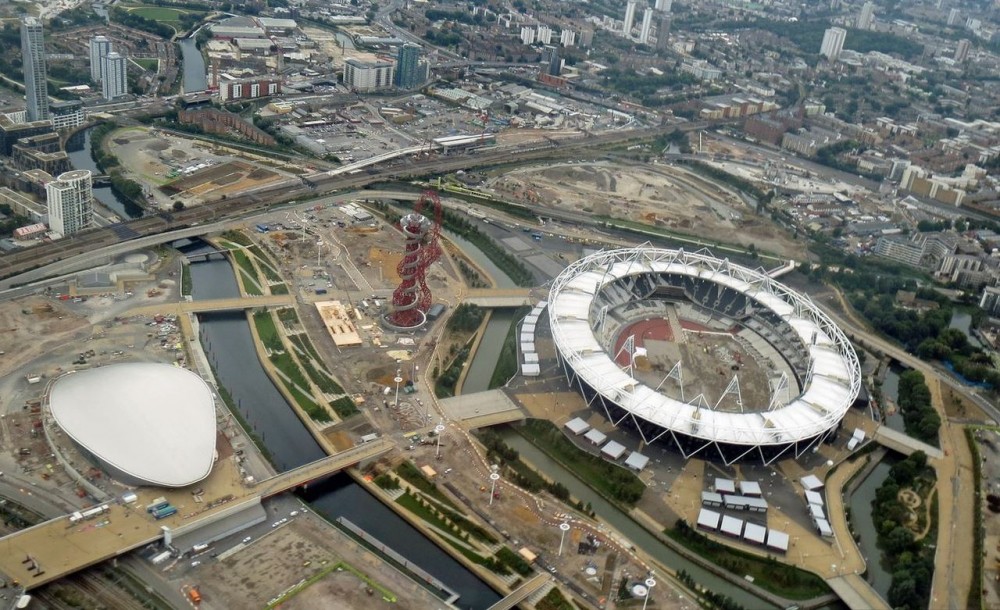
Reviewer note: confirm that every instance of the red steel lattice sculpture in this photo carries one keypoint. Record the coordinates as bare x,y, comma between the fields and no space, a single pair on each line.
412,298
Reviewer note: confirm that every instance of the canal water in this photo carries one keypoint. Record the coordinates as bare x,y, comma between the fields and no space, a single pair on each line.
863,521
195,78
229,347
484,362
890,390
624,524
963,322
78,149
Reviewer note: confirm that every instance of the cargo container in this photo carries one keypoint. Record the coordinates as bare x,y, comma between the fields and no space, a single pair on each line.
155,503
165,512
156,507
198,548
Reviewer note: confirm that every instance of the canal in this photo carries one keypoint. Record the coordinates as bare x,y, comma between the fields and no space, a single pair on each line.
484,361
78,149
863,521
195,78
229,347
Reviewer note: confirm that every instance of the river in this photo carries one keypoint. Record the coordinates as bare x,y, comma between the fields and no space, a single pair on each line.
863,522
78,149
963,322
195,78
229,346
624,524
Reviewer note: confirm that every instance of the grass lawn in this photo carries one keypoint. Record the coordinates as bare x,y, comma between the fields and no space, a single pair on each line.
158,13
268,333
148,64
250,285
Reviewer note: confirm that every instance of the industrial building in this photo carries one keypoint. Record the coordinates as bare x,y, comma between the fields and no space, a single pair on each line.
143,423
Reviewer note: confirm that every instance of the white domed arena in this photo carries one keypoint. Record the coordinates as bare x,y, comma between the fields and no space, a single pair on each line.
715,359
143,423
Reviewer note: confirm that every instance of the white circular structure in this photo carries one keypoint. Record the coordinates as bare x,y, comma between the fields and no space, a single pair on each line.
146,424
818,353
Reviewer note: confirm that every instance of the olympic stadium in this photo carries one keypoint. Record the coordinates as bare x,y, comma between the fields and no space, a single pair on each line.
143,423
716,359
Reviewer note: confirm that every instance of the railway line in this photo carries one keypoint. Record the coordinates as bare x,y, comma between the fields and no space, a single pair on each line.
15,263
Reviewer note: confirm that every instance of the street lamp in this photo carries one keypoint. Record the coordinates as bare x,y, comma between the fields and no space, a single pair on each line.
650,583
563,528
398,380
438,430
494,477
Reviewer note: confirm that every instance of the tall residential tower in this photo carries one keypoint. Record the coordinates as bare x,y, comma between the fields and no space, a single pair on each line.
100,46
70,201
833,43
35,83
114,78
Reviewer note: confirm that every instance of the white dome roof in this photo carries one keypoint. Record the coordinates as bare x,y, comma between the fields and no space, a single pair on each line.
155,422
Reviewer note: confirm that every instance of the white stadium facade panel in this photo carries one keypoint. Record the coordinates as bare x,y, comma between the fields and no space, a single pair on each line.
824,362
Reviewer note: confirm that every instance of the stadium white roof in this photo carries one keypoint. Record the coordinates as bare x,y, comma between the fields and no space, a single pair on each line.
830,388
154,422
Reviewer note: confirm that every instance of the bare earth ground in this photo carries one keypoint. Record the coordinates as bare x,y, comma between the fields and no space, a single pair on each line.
274,563
660,195
25,336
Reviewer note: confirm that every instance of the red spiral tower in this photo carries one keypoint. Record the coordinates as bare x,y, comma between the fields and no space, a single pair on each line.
412,298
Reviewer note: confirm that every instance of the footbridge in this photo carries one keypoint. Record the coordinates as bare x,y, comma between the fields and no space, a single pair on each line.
503,297
210,305
907,445
64,545
521,593
856,593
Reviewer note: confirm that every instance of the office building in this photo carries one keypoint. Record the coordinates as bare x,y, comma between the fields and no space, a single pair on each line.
833,43
100,46
867,17
35,83
664,6
114,77
962,50
629,18
362,75
555,62
663,32
70,201
647,26
410,74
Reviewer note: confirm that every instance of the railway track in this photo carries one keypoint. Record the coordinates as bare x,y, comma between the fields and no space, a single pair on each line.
15,263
